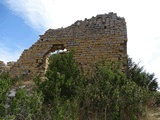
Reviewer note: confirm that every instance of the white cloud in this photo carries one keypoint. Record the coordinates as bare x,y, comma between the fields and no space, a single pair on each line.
36,13
142,17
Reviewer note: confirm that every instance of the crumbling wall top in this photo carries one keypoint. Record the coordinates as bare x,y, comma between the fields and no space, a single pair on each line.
103,36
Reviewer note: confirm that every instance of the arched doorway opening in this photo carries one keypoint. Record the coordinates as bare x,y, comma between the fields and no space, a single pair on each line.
55,50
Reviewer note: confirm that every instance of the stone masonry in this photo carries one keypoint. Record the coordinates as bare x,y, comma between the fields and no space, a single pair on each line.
103,36
5,67
2,66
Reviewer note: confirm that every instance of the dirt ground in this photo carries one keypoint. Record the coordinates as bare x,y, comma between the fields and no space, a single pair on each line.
153,114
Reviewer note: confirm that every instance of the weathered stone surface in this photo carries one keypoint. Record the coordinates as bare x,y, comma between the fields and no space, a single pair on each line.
10,64
103,36
5,67
2,63
2,66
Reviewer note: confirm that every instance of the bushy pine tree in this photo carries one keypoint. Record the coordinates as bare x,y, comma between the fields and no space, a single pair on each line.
140,76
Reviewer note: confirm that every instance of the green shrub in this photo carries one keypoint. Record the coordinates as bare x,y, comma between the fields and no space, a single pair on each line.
63,77
110,94
157,99
107,93
26,106
141,77
5,84
60,89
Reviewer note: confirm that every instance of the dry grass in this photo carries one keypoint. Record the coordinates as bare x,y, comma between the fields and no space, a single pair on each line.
152,114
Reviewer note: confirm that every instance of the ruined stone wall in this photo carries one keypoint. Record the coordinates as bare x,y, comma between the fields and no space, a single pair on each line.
103,36
5,67
2,66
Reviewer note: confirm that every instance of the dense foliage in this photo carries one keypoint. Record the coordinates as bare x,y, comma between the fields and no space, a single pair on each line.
63,76
105,93
5,84
141,77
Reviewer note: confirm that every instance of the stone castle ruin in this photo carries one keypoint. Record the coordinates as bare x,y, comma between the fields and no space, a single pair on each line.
103,36
5,67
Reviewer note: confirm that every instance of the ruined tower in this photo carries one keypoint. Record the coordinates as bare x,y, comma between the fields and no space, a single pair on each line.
103,36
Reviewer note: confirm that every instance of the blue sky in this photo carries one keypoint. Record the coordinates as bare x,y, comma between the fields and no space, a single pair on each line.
15,35
22,21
